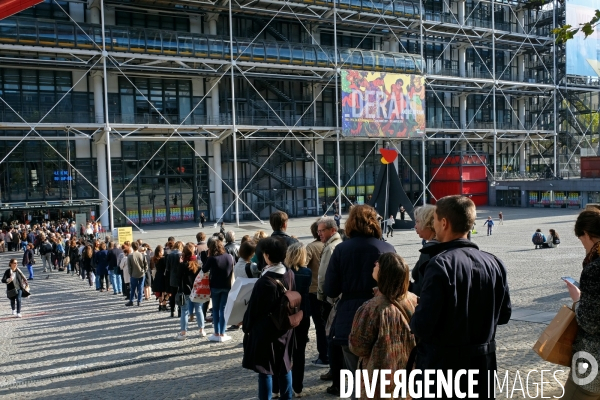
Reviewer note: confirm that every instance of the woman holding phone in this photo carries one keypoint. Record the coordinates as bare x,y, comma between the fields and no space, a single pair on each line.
586,299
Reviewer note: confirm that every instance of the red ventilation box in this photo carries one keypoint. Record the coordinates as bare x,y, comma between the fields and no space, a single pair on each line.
463,173
11,7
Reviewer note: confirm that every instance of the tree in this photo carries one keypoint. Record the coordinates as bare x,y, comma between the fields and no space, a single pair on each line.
567,32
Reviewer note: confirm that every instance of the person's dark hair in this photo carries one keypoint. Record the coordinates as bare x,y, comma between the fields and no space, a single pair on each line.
134,246
216,248
88,251
313,230
220,236
245,238
393,277
588,222
171,239
277,220
554,234
538,230
247,249
102,246
200,237
189,256
362,221
458,210
157,251
275,248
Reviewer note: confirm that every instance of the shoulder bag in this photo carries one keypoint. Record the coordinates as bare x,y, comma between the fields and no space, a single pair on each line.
555,344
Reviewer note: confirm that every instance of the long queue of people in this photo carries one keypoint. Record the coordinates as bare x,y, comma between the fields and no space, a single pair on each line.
367,311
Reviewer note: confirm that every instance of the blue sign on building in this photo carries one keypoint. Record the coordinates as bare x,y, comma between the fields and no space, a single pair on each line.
62,176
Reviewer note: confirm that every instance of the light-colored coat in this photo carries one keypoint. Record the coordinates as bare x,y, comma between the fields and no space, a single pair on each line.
325,257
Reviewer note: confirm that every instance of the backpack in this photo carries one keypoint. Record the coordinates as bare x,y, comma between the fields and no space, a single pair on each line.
45,248
248,271
555,240
538,239
287,314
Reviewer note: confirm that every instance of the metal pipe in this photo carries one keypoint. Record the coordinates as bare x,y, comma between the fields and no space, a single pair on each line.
337,105
111,221
235,166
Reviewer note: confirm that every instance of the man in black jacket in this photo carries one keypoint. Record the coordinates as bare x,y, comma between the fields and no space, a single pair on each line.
464,296
278,221
231,247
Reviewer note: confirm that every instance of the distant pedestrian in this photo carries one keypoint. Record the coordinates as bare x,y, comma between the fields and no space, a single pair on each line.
202,220
337,218
500,218
402,213
490,225
390,226
28,260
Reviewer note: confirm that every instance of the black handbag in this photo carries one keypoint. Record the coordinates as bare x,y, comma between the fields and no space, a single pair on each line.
11,293
180,299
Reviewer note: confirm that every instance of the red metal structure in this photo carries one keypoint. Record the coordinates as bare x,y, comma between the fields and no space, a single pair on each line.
11,7
463,173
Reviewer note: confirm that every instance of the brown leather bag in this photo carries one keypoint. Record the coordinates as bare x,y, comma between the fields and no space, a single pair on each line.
288,314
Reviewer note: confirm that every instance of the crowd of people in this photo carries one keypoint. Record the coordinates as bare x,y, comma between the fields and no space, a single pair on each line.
368,309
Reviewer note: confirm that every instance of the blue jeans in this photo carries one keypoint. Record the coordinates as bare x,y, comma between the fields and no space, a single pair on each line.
137,284
265,386
115,281
98,282
190,307
17,300
23,246
30,269
219,300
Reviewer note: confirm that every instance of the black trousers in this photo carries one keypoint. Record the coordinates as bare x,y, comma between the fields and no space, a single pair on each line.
299,355
320,311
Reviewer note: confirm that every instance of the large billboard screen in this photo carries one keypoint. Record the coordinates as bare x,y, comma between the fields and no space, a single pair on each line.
378,104
582,53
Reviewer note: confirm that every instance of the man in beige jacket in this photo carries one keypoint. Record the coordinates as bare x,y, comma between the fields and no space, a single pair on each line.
137,265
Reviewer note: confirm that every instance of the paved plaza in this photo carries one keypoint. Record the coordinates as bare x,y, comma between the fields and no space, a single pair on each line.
76,343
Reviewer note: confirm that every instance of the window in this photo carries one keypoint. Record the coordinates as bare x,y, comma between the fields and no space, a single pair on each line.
143,20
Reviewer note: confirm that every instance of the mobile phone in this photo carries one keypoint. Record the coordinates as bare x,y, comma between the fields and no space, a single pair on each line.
571,280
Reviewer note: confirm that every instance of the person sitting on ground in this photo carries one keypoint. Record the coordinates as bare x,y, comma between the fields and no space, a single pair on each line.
553,240
538,238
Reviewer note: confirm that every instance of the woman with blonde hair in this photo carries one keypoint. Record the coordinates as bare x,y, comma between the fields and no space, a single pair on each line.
188,270
295,260
424,227
380,334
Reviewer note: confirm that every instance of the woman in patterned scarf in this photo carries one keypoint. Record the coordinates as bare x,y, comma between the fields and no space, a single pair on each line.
582,384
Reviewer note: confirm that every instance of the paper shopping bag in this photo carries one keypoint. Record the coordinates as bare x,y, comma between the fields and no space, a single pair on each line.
555,344
237,300
201,288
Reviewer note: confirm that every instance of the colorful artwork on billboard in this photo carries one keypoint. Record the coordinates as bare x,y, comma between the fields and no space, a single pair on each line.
583,57
378,104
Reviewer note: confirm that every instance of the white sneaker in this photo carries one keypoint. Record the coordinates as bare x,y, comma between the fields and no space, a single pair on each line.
19,315
202,333
14,312
180,336
214,338
224,338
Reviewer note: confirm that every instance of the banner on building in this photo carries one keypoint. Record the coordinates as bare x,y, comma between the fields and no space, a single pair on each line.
583,57
379,104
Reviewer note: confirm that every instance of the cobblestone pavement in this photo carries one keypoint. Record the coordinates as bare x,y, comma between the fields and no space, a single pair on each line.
77,343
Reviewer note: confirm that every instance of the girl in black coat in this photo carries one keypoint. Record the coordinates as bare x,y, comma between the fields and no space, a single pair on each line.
159,283
74,257
14,280
267,350
86,263
28,260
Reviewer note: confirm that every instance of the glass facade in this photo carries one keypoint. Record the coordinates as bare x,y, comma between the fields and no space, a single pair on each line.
172,187
35,171
32,95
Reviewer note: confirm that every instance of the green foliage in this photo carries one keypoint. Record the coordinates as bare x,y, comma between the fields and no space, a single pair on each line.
567,32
